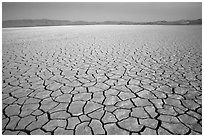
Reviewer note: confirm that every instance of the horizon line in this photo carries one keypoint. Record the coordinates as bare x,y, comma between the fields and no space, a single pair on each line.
99,21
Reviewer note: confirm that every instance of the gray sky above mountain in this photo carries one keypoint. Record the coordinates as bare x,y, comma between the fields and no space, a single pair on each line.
103,11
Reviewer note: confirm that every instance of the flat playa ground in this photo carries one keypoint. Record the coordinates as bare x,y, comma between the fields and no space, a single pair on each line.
102,80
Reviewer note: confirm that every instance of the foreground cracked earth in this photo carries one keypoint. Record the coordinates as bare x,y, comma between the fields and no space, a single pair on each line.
102,80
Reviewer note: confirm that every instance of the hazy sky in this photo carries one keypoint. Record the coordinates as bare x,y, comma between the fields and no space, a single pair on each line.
102,11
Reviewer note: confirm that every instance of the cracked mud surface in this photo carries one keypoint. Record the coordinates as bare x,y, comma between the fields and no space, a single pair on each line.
102,80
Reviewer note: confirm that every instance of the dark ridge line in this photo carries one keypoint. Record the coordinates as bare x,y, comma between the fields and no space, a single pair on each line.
46,22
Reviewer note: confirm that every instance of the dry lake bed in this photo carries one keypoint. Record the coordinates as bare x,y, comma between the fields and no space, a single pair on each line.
102,80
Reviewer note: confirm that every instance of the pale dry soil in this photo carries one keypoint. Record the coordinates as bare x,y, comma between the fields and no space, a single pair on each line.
102,80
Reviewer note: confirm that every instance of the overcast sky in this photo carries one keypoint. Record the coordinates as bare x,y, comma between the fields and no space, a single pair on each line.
102,11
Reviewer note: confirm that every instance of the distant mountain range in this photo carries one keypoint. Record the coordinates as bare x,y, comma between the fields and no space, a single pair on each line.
46,22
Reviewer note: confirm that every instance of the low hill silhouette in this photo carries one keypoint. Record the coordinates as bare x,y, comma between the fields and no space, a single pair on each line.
46,22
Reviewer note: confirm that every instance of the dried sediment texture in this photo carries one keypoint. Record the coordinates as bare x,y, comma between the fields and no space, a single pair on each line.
102,80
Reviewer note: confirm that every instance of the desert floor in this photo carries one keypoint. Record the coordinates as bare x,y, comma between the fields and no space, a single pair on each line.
102,80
